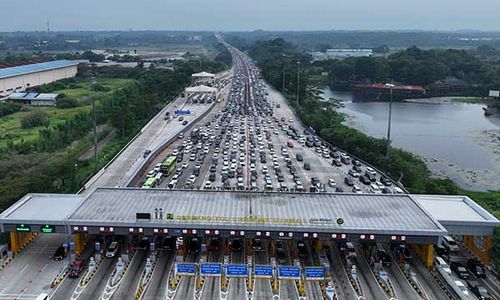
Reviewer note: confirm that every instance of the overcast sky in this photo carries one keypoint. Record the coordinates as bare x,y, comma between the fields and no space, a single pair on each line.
249,14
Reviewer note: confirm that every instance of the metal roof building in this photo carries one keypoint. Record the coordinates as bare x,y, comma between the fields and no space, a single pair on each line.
33,99
414,216
15,79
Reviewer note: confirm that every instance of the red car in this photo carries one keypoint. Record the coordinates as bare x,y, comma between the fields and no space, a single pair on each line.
289,144
76,269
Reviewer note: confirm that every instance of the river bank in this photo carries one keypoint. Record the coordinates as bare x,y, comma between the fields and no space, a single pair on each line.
454,138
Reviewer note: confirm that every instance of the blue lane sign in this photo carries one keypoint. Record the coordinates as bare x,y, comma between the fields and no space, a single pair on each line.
187,269
237,270
182,112
289,272
314,273
263,271
210,269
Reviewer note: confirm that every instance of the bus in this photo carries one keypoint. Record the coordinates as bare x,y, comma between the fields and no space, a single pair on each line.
168,165
150,183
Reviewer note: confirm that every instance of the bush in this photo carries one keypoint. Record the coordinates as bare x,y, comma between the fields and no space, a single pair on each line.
34,119
9,108
63,102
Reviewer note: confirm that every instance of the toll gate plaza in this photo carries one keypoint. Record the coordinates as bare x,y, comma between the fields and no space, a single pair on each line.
414,219
225,244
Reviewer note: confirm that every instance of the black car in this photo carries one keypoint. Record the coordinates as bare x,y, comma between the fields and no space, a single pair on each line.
460,270
307,167
257,245
349,181
476,268
365,180
441,251
194,245
184,123
356,163
299,157
336,162
301,246
339,189
60,253
236,245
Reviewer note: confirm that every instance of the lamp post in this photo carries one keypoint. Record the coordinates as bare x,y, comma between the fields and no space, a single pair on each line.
95,124
298,82
391,87
283,81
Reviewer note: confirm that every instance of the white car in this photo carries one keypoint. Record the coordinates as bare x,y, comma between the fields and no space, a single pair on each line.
112,250
151,174
461,286
208,185
191,179
264,169
331,182
157,167
185,164
356,189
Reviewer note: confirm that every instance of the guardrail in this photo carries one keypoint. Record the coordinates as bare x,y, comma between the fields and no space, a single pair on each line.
96,176
400,185
155,152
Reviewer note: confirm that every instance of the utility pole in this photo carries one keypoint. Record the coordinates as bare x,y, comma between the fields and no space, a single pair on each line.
298,82
95,124
391,87
283,83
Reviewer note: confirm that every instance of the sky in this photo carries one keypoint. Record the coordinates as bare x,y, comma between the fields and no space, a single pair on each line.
232,15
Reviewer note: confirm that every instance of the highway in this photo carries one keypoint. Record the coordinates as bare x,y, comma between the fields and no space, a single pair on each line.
212,287
32,270
371,288
429,284
96,286
262,286
341,283
186,286
157,287
312,289
402,287
237,288
129,282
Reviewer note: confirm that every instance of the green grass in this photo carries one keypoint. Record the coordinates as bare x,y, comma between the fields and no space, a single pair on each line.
10,126
82,88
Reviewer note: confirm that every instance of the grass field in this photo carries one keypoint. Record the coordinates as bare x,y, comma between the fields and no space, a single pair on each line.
82,89
10,125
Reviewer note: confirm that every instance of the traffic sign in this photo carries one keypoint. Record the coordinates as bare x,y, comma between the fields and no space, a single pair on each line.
48,229
182,112
187,269
263,271
289,272
237,270
23,228
314,273
210,269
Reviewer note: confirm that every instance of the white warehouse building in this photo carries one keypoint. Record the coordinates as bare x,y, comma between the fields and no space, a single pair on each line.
17,79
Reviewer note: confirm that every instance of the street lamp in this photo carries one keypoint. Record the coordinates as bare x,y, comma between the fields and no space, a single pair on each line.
283,82
93,84
298,82
390,86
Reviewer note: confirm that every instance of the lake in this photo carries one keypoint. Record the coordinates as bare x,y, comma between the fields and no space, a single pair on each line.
455,139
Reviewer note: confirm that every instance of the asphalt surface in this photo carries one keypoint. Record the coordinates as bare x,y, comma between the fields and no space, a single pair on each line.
340,279
262,288
32,271
370,286
96,286
129,282
157,287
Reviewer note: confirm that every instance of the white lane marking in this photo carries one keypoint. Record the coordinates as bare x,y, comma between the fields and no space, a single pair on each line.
3,291
43,268
24,269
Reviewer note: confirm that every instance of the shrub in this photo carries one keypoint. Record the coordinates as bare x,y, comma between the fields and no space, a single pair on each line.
34,119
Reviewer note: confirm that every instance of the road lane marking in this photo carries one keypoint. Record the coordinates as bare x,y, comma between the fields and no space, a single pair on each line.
24,269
